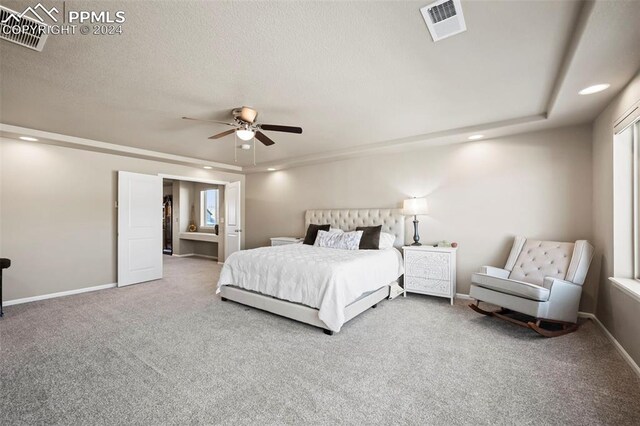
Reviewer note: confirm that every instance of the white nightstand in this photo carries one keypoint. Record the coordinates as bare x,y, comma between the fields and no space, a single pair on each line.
430,270
281,241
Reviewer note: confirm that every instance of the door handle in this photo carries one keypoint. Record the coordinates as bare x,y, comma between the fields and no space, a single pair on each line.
238,230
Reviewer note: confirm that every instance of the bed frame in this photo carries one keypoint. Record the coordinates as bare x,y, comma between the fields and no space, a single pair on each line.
392,221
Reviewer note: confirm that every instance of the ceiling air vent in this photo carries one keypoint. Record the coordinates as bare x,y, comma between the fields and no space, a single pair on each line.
444,18
22,30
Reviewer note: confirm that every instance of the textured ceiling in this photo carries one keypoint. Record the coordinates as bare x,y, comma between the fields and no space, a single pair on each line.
349,73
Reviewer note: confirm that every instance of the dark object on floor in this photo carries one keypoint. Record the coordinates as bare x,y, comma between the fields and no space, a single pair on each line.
558,328
4,264
327,332
224,299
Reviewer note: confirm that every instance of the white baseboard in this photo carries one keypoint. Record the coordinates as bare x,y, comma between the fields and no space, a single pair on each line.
59,294
634,366
464,296
195,255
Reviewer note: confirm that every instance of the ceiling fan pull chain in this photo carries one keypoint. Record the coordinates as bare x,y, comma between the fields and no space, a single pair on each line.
254,150
235,147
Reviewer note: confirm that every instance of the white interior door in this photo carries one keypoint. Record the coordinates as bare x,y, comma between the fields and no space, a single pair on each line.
139,228
233,217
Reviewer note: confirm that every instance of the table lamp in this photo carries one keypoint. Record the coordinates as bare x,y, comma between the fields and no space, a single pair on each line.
414,207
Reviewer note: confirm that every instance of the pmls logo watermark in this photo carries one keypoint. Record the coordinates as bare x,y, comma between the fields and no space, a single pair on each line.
40,19
33,12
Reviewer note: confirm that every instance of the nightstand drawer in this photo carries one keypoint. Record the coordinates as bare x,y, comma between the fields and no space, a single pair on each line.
430,270
428,265
281,241
431,286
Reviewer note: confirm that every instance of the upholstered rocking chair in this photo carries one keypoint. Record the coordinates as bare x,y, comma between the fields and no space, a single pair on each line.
542,279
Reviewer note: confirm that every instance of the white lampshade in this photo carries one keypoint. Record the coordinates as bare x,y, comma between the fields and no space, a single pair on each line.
245,134
415,206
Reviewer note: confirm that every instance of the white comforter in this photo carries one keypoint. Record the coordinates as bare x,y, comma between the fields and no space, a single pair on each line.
323,278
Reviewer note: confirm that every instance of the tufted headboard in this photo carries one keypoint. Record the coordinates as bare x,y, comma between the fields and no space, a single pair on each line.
392,220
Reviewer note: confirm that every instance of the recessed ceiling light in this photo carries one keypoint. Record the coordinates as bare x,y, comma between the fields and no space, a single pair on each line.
271,169
28,138
475,137
208,167
594,89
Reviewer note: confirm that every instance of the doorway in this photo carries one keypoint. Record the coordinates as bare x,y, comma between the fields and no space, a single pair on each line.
167,218
193,219
174,216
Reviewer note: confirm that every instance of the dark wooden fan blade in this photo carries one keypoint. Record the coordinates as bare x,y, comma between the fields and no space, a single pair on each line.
209,121
223,134
264,139
277,128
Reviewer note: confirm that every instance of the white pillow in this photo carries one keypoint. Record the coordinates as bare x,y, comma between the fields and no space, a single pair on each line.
386,240
339,240
331,231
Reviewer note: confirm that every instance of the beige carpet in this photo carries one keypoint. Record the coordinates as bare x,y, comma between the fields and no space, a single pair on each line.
170,352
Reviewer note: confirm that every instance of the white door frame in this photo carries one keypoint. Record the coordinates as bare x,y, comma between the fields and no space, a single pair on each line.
192,179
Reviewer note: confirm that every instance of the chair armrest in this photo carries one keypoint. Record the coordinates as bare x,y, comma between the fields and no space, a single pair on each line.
494,272
564,299
549,282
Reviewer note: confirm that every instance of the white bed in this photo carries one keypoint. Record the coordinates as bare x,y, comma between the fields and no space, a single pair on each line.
319,286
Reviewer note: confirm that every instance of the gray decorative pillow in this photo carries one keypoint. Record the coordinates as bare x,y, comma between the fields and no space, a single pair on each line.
343,241
370,237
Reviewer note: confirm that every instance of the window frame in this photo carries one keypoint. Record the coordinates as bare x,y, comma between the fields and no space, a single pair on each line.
203,208
636,198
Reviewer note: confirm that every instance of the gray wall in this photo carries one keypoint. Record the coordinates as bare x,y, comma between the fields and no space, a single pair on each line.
480,194
58,214
184,207
619,312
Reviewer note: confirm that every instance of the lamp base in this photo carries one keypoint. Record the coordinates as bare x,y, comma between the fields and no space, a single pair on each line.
416,237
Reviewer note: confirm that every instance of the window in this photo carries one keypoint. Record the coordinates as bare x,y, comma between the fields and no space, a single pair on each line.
209,208
626,198
636,199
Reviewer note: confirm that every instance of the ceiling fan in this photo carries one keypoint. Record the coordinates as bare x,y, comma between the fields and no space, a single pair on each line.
246,128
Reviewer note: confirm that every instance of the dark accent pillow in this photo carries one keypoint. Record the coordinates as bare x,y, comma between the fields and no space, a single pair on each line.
312,233
370,237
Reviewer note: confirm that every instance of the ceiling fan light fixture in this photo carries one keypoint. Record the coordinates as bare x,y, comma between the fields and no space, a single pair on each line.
245,134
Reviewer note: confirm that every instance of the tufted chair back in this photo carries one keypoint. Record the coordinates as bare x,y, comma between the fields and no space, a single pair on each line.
392,220
532,261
